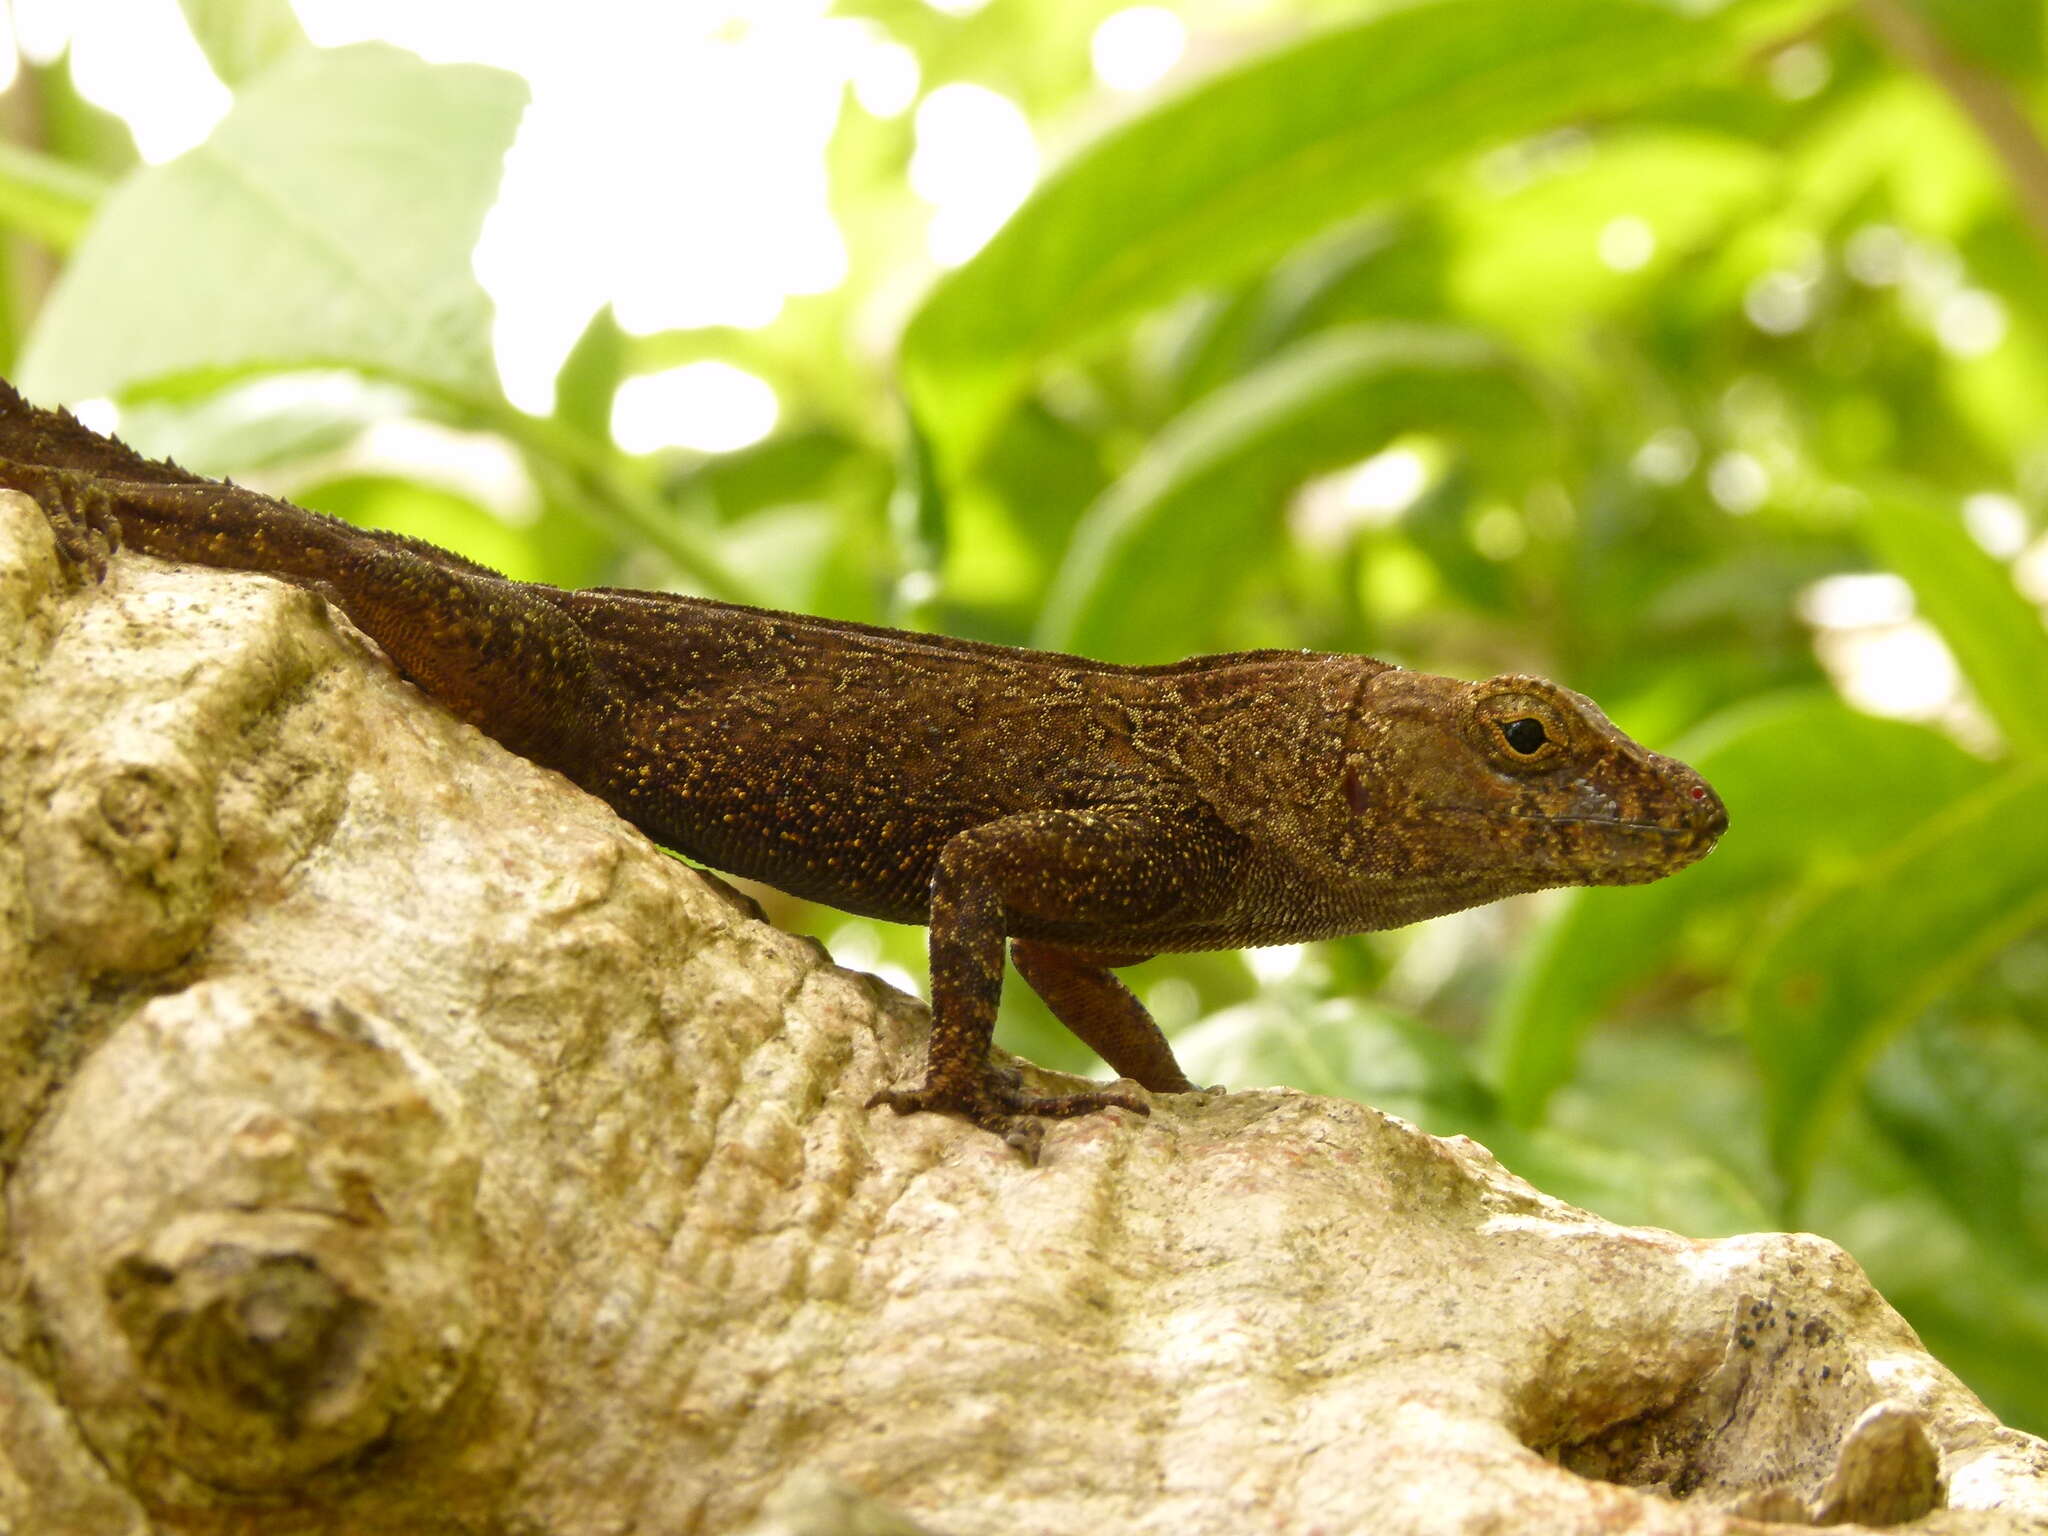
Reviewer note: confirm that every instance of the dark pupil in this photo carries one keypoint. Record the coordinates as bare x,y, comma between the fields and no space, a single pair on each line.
1525,735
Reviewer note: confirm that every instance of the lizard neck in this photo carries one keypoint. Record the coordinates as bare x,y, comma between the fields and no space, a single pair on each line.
1263,745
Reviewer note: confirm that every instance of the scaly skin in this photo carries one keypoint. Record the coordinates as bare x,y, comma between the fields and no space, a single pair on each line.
1091,815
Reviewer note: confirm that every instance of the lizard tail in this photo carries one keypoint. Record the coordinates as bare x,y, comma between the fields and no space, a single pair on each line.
59,440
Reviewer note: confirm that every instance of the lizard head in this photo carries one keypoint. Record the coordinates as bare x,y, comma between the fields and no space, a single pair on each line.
1467,792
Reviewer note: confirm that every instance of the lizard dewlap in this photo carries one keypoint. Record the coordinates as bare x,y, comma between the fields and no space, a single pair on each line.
1085,815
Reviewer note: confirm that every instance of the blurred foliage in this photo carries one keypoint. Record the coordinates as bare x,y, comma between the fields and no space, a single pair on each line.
1647,322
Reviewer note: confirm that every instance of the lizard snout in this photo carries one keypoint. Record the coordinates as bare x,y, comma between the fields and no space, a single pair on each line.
1711,816
1707,816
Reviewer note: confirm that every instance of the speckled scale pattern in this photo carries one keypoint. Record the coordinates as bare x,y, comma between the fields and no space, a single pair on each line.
1096,814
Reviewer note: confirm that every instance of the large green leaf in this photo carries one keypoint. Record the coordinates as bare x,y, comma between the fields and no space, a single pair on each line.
1150,558
1527,262
1869,952
242,38
1812,788
1996,634
1967,1109
328,220
1243,167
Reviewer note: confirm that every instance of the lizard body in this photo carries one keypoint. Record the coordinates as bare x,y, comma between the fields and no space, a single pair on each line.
1088,814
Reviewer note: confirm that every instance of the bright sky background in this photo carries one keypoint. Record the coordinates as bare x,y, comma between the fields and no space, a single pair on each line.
616,84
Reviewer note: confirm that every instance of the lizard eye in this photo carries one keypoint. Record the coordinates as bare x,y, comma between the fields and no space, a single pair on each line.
1525,735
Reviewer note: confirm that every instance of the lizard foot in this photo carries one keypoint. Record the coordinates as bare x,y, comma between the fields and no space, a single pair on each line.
81,516
1005,1110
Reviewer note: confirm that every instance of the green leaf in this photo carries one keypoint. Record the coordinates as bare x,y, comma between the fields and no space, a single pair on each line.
432,513
242,38
1980,1321
1345,1047
590,376
2004,35
1439,526
1899,139
1980,1313
1342,1046
45,198
1869,952
1812,788
1967,1109
327,221
1528,262
1223,179
1150,559
1996,634
789,469
917,522
783,553
1685,1192
75,130
260,428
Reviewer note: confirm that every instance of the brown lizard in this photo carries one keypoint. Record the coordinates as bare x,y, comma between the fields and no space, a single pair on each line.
1091,815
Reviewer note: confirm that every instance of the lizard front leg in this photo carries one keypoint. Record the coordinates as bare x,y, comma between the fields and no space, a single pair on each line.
1115,871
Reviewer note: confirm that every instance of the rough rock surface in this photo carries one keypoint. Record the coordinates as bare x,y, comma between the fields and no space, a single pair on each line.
396,1141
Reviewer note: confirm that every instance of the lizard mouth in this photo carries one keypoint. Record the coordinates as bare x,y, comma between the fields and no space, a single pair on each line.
1707,834
1620,823
1615,850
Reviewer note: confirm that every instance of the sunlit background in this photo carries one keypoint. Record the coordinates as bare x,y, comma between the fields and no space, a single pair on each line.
718,238
727,238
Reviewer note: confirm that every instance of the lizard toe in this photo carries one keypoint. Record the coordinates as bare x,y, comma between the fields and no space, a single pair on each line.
81,516
1066,1106
1018,1118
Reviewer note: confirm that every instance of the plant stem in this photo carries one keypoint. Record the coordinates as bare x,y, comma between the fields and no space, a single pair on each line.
589,479
1985,99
